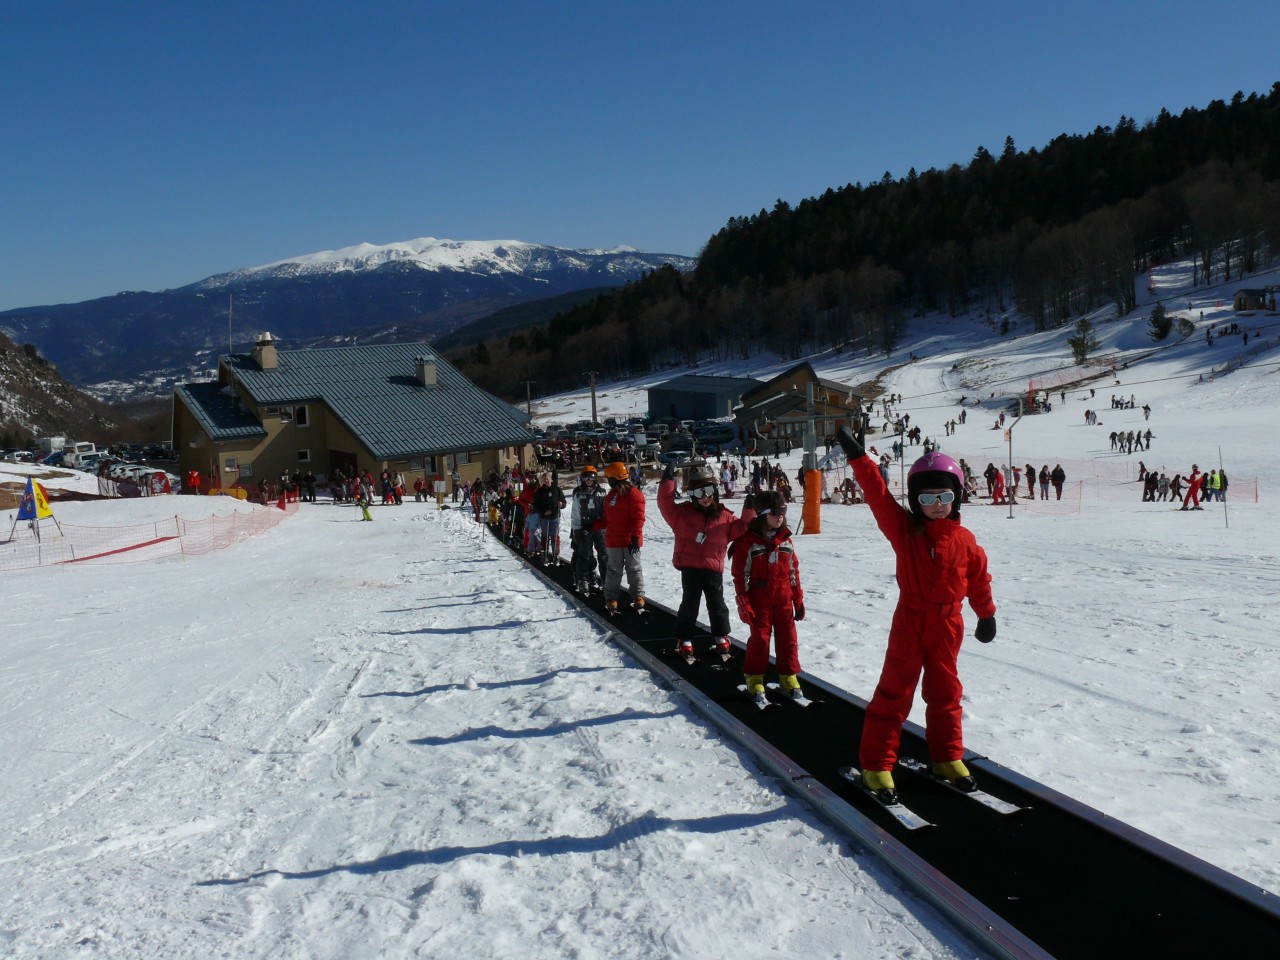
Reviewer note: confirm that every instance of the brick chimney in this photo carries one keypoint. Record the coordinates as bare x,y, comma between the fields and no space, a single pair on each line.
264,352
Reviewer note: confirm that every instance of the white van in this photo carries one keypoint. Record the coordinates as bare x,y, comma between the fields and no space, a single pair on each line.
72,453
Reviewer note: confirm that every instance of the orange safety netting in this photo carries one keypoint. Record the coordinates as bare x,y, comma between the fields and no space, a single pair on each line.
59,543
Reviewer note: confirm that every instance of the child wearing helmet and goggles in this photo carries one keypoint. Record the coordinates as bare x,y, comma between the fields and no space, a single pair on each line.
939,564
703,529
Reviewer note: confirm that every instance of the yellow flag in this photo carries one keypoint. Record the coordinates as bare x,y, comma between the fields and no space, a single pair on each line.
34,505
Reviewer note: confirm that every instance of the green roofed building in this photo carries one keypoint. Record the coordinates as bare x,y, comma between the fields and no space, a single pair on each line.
392,406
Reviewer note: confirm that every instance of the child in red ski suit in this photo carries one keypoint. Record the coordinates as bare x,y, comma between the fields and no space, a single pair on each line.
939,564
766,579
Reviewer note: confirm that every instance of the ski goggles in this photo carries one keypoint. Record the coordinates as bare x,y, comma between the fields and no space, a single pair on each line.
699,492
929,499
776,511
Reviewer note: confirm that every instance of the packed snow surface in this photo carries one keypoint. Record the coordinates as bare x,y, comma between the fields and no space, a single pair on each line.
389,739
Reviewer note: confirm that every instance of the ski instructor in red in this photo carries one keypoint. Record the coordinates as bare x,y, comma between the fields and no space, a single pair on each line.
939,564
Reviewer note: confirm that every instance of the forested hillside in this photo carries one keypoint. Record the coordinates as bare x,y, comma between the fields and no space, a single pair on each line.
1048,233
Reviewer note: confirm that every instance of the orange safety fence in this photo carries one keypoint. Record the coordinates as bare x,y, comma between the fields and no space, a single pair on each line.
61,543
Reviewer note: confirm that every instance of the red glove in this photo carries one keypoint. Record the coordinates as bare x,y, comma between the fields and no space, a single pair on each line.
744,609
798,609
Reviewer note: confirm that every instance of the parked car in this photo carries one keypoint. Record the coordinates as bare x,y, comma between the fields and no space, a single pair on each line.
717,433
676,458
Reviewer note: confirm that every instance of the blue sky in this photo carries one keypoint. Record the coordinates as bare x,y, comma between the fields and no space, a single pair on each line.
148,145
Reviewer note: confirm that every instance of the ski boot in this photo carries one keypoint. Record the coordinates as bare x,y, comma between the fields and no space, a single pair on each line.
638,605
790,686
880,783
583,587
611,607
722,646
956,774
684,648
755,689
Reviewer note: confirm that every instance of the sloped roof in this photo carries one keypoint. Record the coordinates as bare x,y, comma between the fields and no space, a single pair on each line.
832,387
219,413
697,383
374,392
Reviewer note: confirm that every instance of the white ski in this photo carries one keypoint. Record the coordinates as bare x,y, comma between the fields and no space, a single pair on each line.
905,816
759,699
981,796
798,698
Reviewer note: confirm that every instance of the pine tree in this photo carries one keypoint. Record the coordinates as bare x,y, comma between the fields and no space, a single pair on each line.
1084,342
1161,323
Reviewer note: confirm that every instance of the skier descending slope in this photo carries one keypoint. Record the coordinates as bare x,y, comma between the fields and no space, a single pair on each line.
939,564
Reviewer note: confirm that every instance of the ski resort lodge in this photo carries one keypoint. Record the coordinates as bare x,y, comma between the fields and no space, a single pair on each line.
398,407
779,408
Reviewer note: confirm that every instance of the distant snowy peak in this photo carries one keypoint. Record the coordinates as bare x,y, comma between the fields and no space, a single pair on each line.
489,257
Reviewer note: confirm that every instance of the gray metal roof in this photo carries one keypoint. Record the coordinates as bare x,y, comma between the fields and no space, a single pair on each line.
219,413
374,392
696,383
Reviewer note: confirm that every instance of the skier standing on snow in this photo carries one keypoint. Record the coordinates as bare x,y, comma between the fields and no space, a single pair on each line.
1194,482
703,528
1058,476
939,564
766,580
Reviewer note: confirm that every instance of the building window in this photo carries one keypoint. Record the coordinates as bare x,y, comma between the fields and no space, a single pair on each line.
300,416
229,465
246,471
304,456
286,415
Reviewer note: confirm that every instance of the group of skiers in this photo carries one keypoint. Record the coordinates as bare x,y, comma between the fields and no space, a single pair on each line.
1157,487
1005,482
939,565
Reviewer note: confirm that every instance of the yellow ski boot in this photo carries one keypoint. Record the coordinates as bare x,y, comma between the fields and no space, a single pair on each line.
956,774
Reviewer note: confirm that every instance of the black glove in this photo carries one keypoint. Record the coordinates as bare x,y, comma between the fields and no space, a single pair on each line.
850,444
798,609
634,547
749,502
669,472
986,630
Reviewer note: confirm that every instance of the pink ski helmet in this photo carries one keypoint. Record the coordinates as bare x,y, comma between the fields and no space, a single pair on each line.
935,470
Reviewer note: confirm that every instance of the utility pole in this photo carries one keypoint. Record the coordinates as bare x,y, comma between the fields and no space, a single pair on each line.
528,398
1008,433
591,380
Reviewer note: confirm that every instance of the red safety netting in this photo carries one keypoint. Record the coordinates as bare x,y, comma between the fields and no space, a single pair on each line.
58,543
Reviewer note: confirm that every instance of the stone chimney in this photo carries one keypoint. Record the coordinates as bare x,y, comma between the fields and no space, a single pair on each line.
425,372
264,352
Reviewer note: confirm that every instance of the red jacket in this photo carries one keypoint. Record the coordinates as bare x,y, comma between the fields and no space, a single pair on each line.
687,522
766,569
623,517
940,564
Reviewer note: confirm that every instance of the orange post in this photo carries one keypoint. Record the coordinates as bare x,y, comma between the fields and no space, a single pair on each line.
812,512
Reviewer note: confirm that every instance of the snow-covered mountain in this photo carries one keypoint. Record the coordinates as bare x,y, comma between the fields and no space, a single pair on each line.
412,290
484,257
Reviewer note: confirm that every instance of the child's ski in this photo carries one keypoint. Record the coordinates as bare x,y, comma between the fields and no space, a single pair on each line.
761,701
980,796
899,811
798,697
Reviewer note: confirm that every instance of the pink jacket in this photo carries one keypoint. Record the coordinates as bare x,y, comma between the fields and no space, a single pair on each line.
687,522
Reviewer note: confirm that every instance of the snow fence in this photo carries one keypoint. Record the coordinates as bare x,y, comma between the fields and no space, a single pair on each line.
60,543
